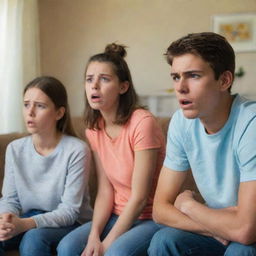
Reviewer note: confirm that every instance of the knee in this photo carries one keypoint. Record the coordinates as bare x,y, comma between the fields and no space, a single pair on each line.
163,240
166,235
71,245
32,241
65,247
237,249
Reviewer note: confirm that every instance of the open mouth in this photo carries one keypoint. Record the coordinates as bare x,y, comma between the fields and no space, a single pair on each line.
95,97
185,102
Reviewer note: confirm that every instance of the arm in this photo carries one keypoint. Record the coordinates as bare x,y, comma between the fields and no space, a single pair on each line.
10,207
144,168
234,224
169,186
9,202
104,200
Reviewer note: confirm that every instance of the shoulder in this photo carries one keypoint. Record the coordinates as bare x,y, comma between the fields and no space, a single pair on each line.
141,116
245,112
17,144
245,106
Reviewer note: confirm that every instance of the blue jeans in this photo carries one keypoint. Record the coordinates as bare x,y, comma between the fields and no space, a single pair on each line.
134,242
174,242
37,241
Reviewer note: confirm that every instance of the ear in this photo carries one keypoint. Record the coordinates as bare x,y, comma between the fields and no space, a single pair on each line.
124,86
60,113
226,79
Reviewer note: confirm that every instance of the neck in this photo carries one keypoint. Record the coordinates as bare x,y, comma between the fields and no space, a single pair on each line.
219,117
45,144
109,118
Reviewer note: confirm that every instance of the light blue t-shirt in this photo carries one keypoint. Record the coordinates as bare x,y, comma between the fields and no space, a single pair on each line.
219,161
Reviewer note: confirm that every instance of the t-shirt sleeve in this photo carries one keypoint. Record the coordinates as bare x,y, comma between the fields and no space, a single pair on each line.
147,134
176,157
246,153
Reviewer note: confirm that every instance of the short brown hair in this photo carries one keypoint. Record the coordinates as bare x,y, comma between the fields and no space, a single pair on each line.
211,47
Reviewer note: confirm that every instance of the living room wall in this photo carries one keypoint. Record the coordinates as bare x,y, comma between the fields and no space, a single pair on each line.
71,31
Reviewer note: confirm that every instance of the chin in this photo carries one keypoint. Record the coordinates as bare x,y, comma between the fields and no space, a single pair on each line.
190,114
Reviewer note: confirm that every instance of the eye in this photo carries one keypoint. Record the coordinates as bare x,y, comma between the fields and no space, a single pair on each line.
105,79
194,75
39,105
175,77
88,80
26,105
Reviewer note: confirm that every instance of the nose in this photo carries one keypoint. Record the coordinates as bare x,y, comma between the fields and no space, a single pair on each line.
31,111
95,84
181,86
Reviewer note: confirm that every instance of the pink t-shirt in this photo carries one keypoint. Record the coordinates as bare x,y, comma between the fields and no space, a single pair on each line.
117,155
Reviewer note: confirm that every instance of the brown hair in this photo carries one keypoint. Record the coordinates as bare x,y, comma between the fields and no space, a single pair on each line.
56,91
211,47
114,54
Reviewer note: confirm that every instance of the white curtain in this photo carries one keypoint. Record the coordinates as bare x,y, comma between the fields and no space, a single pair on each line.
19,58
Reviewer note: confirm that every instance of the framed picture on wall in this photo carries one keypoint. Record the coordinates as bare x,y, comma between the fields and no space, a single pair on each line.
239,29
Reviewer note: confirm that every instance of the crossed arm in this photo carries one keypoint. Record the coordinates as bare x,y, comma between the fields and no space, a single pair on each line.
183,211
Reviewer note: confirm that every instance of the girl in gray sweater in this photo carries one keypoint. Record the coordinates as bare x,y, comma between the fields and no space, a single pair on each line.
45,192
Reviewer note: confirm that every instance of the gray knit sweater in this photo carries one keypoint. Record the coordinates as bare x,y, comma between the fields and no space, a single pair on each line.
56,184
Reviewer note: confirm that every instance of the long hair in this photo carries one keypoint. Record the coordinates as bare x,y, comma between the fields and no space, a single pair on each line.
114,55
56,91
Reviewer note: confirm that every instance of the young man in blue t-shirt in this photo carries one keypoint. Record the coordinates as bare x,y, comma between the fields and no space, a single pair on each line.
214,136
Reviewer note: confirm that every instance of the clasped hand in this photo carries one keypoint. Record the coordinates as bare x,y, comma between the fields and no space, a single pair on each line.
10,226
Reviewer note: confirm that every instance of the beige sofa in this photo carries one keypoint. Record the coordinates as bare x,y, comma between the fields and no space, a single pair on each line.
79,127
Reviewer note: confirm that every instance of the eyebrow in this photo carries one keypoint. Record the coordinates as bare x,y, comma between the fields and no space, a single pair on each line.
37,102
102,74
187,72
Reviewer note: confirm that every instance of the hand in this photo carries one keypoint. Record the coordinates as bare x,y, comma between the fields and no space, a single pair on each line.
6,226
20,225
221,240
183,199
93,248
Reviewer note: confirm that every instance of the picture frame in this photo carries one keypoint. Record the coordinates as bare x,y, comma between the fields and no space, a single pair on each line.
239,29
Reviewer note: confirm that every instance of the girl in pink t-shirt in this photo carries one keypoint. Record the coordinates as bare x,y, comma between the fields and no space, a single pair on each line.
128,148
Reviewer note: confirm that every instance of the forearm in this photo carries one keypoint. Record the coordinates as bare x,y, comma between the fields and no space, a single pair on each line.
26,224
167,214
101,217
130,214
226,223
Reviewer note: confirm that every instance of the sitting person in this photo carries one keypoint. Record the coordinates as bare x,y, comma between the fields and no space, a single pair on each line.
45,193
213,135
128,147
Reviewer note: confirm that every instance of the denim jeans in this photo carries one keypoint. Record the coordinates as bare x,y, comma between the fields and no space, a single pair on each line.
134,242
37,241
174,242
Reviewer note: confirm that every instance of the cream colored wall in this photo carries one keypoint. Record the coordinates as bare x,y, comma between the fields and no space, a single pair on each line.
73,30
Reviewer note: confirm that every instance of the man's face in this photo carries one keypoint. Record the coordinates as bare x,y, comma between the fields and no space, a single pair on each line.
197,90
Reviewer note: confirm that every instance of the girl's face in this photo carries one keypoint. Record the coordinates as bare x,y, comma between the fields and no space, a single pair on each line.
103,87
39,112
